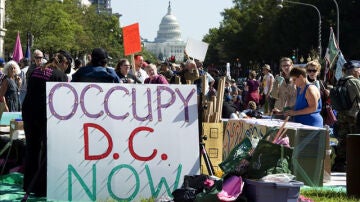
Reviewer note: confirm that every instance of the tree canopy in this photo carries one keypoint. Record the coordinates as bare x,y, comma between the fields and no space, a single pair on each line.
67,25
257,31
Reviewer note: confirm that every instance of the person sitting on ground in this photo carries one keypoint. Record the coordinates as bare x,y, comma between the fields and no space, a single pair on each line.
228,106
252,111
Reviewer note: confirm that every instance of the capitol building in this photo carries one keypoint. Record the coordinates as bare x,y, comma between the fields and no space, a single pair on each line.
168,41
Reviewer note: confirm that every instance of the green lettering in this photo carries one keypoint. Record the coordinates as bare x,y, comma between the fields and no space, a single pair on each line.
137,184
156,192
71,170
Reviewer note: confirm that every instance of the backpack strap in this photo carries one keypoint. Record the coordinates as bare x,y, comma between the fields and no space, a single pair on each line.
358,87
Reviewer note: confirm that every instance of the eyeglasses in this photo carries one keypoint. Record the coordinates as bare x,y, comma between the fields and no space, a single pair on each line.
311,70
37,57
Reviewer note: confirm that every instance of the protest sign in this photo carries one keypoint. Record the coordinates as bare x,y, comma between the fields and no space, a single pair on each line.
120,141
131,38
196,49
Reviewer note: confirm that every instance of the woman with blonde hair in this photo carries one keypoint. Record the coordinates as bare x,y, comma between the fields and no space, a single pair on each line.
9,91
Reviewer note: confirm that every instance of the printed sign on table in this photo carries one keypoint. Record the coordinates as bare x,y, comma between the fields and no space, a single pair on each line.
131,38
120,141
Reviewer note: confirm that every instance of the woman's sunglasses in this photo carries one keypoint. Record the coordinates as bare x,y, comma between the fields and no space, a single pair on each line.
312,70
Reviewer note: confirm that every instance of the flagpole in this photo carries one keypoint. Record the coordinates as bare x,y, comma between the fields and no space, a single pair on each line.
337,22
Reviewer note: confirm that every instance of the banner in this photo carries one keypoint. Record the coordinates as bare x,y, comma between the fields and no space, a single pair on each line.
131,38
120,141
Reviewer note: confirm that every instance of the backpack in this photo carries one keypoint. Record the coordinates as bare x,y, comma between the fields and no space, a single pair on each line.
339,96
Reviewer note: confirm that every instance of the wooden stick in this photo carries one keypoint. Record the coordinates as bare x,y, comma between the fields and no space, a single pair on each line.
213,100
283,133
132,59
203,85
281,129
177,80
220,97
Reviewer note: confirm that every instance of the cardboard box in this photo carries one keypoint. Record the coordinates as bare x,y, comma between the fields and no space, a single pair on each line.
15,124
309,145
213,145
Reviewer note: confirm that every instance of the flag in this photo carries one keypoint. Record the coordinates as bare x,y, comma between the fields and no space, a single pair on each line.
17,53
332,51
339,65
28,53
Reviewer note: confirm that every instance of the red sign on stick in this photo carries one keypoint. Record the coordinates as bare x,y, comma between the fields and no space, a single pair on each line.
131,37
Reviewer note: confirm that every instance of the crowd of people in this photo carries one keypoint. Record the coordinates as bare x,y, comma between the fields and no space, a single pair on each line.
295,92
298,93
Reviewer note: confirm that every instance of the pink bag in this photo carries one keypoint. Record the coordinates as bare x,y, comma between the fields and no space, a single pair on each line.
232,188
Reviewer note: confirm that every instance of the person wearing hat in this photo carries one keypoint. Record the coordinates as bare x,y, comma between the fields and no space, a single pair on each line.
97,70
267,84
35,121
348,122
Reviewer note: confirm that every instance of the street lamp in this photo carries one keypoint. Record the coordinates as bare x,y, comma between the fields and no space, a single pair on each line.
337,22
280,2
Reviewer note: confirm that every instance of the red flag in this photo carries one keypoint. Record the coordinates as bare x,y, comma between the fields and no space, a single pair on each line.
17,53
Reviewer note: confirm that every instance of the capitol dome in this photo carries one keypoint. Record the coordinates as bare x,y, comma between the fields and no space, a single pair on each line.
169,29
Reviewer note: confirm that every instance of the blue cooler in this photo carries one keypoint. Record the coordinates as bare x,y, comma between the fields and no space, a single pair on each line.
259,191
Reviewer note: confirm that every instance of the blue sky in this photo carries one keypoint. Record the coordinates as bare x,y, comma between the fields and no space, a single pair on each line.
195,17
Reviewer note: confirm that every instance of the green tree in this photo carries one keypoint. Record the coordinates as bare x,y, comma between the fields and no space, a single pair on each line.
256,31
66,25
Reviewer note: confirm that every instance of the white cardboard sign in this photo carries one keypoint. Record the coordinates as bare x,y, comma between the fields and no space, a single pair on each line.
119,141
196,49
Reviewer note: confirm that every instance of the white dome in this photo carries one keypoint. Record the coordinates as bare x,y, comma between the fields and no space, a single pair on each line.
169,29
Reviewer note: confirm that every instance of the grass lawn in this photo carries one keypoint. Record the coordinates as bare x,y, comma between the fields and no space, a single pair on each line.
327,195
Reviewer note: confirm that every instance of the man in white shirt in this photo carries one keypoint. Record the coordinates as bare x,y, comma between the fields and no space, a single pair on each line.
24,65
267,83
137,70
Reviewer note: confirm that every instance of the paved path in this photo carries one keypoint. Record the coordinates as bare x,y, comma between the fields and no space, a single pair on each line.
337,179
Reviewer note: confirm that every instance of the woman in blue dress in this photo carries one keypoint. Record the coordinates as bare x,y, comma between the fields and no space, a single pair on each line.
308,102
